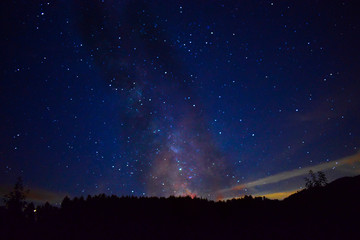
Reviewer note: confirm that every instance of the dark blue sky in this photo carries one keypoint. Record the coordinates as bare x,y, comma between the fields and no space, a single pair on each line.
177,97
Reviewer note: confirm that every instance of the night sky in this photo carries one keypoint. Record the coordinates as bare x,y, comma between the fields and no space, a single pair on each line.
156,98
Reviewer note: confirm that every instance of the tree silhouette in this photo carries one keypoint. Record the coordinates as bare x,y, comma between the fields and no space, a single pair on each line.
322,178
314,181
310,182
15,200
65,202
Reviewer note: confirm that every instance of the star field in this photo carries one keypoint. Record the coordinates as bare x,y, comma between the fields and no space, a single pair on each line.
160,98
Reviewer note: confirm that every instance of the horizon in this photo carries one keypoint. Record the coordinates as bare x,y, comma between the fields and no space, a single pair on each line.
41,196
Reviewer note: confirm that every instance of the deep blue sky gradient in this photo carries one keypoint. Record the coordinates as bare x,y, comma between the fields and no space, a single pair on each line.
93,94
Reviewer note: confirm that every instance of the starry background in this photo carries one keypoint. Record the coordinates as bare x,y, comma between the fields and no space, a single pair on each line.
159,98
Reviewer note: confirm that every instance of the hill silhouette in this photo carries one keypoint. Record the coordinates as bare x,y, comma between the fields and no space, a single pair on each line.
330,212
343,188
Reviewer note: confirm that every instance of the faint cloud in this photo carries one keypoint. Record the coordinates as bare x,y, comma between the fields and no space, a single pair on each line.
349,165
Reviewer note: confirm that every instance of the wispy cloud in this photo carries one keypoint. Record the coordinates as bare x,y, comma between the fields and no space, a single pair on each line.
340,163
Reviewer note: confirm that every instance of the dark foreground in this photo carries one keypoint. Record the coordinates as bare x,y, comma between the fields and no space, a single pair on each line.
331,212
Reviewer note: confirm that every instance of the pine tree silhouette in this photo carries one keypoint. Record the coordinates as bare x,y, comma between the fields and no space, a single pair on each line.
15,200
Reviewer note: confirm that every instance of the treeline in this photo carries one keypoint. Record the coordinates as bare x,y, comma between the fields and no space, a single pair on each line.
113,217
302,216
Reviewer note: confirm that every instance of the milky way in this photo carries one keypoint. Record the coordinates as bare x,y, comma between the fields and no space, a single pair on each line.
216,99
167,128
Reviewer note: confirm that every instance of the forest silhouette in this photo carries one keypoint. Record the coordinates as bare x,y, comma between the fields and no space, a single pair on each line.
321,211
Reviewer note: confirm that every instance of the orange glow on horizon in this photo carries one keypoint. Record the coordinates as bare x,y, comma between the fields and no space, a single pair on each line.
278,195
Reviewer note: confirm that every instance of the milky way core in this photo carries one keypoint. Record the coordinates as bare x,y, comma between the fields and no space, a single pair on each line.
166,127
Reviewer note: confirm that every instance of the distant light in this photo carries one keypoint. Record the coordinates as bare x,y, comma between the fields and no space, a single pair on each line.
34,210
